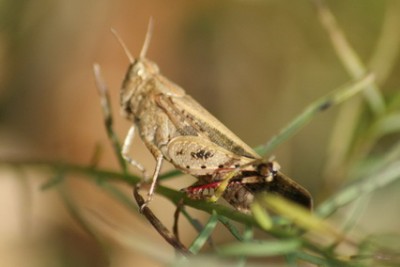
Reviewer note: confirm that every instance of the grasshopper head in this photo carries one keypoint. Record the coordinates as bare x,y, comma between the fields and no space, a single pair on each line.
134,88
139,73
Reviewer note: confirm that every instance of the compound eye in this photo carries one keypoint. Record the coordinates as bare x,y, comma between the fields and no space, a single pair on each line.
138,69
140,72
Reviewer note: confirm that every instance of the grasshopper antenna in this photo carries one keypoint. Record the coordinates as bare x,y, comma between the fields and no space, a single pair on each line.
147,39
123,45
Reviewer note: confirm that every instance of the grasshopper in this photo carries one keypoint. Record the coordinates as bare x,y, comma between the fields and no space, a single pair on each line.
176,128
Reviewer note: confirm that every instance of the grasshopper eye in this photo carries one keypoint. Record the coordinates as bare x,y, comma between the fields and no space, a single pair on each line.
138,69
140,72
144,69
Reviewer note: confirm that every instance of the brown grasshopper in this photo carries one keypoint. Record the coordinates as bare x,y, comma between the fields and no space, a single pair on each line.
176,128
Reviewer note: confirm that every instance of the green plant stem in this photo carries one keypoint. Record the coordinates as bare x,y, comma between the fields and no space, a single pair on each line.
359,188
334,98
387,50
349,57
101,175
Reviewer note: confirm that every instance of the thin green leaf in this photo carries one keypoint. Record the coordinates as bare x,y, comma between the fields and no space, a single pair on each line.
299,216
388,124
311,258
359,188
194,222
169,174
261,216
334,98
248,235
375,164
202,238
55,180
232,229
349,57
121,197
261,248
386,54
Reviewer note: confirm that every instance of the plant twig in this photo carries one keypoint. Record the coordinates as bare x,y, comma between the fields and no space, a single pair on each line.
158,225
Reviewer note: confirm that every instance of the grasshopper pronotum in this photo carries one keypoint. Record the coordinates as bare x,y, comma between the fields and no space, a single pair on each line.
176,128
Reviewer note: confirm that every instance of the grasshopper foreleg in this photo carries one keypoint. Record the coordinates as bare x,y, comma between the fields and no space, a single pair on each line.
125,153
159,157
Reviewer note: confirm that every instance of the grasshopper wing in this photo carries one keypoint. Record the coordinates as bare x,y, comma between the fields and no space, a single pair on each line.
190,118
200,156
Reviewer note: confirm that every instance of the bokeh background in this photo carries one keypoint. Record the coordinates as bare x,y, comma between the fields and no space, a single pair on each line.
254,64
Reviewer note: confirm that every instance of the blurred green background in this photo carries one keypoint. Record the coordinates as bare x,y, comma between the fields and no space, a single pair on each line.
255,65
